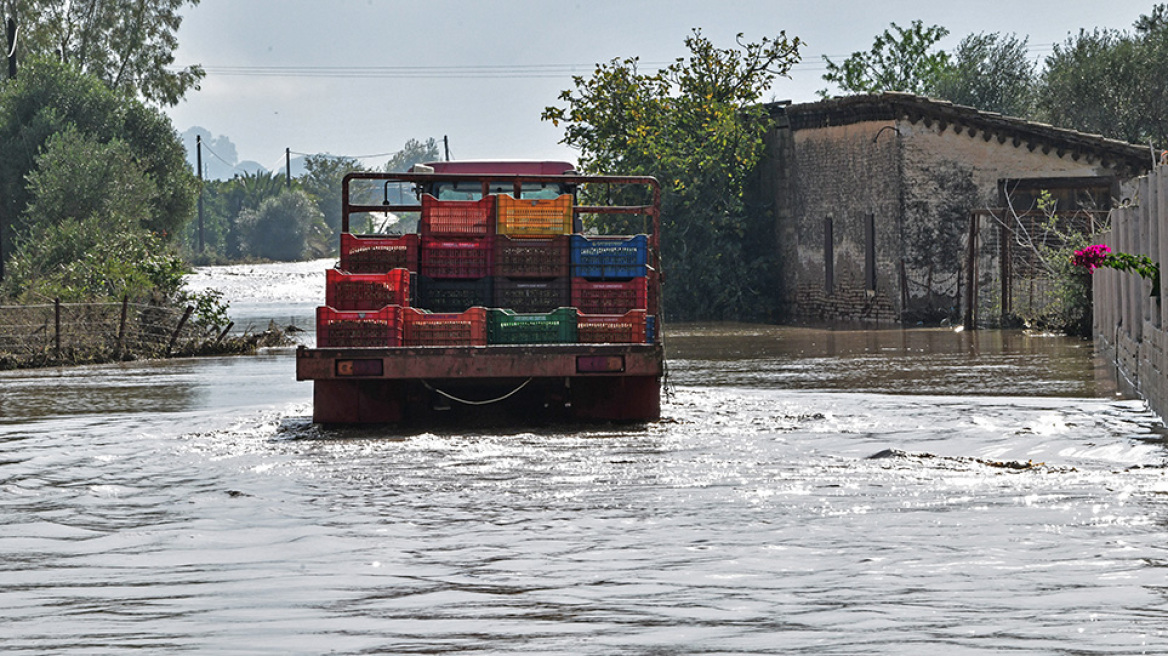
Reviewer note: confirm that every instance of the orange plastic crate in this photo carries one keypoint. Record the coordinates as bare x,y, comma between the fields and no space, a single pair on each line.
421,328
457,218
366,291
609,296
534,217
352,328
378,254
627,328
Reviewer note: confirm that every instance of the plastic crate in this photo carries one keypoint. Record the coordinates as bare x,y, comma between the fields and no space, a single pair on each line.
555,327
361,254
651,329
627,328
457,218
453,295
609,258
529,295
609,296
531,257
445,258
534,217
366,291
347,328
422,328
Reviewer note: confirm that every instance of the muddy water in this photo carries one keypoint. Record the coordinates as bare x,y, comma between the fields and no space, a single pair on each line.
810,492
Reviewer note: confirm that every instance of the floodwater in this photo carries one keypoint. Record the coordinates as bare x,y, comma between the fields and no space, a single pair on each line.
809,492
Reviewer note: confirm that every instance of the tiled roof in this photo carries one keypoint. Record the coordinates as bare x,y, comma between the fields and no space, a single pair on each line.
889,106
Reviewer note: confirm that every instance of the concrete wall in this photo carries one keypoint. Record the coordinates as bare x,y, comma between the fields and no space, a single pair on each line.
920,180
1129,323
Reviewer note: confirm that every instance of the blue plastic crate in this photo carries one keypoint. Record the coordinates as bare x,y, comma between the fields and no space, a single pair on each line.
610,258
651,329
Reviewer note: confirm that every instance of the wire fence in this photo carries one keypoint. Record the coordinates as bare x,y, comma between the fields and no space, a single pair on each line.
77,333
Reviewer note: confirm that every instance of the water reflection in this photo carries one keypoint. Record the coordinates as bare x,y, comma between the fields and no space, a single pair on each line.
920,360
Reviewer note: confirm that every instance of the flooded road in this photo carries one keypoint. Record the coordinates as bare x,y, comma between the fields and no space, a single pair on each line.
809,492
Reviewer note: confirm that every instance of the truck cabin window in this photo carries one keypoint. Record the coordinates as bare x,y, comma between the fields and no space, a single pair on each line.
473,190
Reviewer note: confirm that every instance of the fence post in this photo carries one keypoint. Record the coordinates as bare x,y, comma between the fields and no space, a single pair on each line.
971,276
122,328
57,327
178,329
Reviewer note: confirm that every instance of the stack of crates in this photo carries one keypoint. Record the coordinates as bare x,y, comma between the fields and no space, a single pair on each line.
362,309
532,253
456,254
519,257
610,287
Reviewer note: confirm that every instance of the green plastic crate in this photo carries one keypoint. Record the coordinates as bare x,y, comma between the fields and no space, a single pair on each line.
509,327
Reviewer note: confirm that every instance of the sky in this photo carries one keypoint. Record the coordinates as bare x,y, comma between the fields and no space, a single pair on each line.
362,77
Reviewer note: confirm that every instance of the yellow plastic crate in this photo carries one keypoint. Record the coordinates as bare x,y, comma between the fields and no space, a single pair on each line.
534,217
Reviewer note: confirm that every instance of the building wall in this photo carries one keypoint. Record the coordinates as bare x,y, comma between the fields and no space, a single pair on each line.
844,174
920,180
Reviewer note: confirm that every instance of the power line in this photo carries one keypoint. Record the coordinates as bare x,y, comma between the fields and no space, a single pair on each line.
485,71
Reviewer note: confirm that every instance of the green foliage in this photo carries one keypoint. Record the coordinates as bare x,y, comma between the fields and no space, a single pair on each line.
900,60
48,98
322,181
991,72
85,238
127,44
414,152
1111,82
280,229
697,126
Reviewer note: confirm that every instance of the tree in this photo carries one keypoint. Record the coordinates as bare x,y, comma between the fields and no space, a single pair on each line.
991,72
900,60
322,180
1111,82
127,44
414,152
85,238
282,226
698,127
48,98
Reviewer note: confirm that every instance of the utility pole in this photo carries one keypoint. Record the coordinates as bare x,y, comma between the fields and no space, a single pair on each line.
199,165
288,168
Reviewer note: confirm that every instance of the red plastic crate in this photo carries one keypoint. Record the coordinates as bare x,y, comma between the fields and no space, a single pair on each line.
348,328
366,291
609,296
457,218
466,258
421,328
532,258
378,254
627,328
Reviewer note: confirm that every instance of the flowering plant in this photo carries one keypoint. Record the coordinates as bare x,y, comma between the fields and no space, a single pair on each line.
1099,255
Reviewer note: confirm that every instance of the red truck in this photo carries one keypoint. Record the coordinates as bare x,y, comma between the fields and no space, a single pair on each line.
497,305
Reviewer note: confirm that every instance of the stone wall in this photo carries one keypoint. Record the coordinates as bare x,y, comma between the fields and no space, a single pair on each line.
1129,322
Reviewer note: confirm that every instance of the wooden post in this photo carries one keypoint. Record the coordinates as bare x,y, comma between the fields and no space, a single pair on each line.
122,328
57,326
971,276
178,329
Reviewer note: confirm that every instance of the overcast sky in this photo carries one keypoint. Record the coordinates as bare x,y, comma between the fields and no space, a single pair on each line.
361,77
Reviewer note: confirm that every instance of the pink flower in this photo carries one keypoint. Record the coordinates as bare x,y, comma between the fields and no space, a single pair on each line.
1091,257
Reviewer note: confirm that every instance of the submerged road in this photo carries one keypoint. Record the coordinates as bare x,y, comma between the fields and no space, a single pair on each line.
809,492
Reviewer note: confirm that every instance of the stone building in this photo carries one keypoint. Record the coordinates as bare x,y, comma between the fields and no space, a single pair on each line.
874,198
